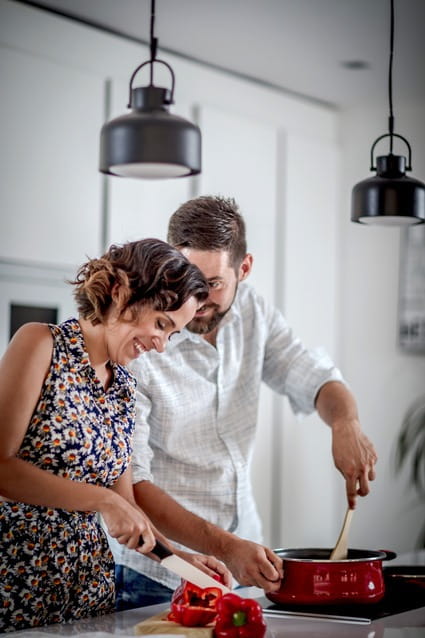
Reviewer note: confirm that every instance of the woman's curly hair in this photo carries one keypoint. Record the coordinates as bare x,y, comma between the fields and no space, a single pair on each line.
145,272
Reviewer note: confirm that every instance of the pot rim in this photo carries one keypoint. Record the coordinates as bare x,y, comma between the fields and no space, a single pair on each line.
365,555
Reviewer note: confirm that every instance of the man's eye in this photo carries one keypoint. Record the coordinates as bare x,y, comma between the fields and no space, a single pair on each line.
215,284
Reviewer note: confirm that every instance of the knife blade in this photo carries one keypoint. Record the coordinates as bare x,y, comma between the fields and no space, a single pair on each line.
185,570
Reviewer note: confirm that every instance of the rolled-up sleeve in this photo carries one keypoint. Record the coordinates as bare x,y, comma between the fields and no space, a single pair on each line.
293,370
309,372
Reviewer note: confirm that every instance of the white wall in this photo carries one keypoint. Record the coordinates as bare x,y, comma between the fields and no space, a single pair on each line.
385,379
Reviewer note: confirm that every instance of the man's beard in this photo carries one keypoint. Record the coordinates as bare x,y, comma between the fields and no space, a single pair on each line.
203,326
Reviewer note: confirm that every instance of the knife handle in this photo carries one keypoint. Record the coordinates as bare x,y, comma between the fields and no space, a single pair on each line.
159,549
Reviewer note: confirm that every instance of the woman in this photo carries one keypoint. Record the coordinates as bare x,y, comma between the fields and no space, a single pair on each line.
66,421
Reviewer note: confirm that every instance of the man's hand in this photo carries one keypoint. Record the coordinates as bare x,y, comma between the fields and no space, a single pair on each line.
252,564
355,457
353,453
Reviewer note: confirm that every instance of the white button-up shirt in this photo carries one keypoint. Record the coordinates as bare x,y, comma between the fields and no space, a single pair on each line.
197,411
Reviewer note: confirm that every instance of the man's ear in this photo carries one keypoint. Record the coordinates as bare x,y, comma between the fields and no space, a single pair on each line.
245,267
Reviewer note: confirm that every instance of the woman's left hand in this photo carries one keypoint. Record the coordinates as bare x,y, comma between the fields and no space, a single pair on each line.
208,564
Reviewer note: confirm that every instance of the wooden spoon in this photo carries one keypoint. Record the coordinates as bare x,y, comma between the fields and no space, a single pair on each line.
340,550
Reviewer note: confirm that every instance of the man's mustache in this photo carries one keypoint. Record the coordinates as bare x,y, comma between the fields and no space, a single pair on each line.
213,306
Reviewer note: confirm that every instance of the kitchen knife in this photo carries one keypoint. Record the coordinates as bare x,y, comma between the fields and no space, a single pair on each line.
185,570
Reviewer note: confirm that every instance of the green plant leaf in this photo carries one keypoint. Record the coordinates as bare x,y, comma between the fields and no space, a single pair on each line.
410,446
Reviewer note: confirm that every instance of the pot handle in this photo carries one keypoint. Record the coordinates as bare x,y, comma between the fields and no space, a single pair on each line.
389,555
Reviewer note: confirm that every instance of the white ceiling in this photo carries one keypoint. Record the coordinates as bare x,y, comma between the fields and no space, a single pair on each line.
296,45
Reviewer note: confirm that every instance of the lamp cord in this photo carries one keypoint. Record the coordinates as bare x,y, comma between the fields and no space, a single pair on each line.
390,79
153,41
391,133
153,48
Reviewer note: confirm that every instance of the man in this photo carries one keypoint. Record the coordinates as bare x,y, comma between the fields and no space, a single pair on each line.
197,410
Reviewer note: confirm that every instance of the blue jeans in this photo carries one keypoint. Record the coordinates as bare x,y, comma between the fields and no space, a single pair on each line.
136,590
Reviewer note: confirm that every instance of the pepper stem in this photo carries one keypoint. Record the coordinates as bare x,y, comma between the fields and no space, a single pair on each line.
239,618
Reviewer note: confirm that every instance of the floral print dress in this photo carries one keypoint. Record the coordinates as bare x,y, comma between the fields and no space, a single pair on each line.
55,565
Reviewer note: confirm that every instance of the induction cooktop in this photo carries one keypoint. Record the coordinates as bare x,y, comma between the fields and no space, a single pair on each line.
401,594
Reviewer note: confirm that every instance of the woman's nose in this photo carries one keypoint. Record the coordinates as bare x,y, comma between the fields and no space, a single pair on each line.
160,343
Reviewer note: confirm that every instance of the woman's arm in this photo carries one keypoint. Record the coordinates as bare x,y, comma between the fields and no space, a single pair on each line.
23,369
147,538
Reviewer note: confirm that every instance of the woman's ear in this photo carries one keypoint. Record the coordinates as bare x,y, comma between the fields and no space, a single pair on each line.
115,293
245,267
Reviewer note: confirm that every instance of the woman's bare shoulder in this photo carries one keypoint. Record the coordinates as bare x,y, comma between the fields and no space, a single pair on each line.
33,332
31,340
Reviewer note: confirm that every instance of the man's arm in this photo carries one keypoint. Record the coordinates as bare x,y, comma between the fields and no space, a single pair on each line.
250,563
353,453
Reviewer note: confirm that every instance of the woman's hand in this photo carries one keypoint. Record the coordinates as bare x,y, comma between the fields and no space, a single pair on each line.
128,524
208,564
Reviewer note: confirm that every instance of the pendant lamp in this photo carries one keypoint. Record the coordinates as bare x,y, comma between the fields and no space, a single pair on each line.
390,198
150,142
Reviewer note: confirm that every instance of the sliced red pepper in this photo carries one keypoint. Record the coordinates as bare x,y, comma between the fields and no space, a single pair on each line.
239,618
193,606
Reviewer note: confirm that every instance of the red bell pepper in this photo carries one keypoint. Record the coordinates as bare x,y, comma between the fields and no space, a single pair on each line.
239,618
193,606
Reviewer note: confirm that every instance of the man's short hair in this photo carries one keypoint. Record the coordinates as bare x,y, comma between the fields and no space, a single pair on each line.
210,223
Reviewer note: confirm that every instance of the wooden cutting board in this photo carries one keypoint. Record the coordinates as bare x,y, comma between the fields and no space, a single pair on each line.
160,625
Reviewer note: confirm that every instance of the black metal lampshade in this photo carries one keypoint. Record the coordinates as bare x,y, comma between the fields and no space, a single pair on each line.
390,198
150,142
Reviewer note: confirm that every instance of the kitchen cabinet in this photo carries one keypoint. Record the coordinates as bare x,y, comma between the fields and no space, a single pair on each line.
309,286
51,115
239,160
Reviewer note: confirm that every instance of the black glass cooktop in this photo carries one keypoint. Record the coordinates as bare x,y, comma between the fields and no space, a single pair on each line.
401,594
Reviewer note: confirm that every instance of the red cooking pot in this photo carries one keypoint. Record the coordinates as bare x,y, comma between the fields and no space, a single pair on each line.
310,578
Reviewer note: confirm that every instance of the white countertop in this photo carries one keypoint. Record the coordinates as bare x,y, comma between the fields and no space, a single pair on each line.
410,624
